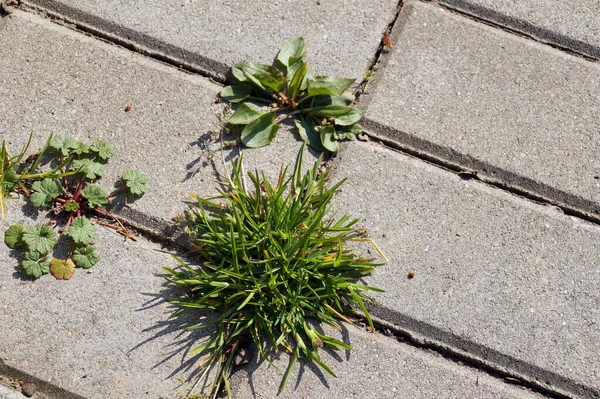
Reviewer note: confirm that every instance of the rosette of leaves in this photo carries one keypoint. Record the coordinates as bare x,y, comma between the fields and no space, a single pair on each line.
289,86
275,263
69,192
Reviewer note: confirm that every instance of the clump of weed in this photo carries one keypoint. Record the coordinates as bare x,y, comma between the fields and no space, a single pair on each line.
322,104
68,192
275,262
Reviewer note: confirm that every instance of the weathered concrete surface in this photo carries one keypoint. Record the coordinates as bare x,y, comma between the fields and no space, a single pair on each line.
510,108
8,393
496,276
103,334
377,367
213,35
572,24
55,79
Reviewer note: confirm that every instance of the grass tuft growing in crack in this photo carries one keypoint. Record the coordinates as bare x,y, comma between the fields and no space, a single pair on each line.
275,263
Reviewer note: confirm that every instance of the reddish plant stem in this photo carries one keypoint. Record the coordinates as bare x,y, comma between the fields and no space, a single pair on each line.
78,188
68,222
117,191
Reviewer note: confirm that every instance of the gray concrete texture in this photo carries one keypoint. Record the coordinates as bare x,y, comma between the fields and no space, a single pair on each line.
496,276
104,333
56,80
377,367
9,393
571,24
510,108
213,35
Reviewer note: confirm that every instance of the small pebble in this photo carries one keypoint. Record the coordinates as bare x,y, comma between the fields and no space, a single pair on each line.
29,389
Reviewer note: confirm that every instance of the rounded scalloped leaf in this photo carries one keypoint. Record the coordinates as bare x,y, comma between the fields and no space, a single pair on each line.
40,238
92,170
95,196
136,183
82,231
64,146
85,257
103,149
43,192
62,269
35,267
13,237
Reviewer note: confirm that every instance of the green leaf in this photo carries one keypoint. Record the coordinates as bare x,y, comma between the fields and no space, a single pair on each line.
44,192
349,132
62,269
235,93
34,266
82,231
104,149
290,52
136,183
295,77
243,115
85,257
308,133
95,196
64,146
40,238
71,206
350,118
263,76
13,237
328,85
343,116
324,99
260,132
327,139
82,149
310,72
91,169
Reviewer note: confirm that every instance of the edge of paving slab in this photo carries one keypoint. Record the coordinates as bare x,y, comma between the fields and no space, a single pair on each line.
128,38
451,159
533,31
43,387
459,349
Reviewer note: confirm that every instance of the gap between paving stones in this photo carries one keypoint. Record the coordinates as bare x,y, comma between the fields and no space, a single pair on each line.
216,36
447,156
440,155
130,39
520,27
481,171
447,340
161,51
396,369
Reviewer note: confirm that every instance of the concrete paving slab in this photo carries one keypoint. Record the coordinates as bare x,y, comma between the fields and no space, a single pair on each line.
507,107
573,24
103,334
8,393
378,367
213,35
55,79
497,277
